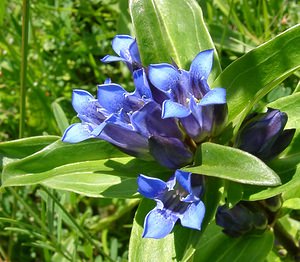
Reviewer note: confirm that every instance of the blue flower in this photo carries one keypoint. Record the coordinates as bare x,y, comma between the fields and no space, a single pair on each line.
263,134
187,96
130,121
126,47
179,198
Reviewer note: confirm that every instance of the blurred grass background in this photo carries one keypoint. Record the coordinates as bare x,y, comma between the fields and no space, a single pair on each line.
66,40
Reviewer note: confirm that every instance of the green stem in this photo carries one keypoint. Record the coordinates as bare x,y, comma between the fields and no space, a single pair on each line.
286,240
24,52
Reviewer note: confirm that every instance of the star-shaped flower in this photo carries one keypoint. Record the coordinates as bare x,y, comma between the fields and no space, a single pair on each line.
179,198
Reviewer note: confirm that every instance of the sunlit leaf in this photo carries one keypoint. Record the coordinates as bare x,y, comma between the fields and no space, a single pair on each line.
233,164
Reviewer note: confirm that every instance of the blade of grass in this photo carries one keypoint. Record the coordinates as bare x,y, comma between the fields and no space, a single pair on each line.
24,52
75,224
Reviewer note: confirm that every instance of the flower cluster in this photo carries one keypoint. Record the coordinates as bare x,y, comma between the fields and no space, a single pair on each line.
263,135
170,111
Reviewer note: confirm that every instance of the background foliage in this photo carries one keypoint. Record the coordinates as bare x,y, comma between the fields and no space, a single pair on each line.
66,40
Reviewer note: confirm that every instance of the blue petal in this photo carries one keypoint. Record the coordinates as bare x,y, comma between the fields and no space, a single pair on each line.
111,97
173,109
141,83
148,122
184,179
134,52
193,216
76,133
202,64
165,77
214,96
121,43
81,100
151,187
158,223
170,152
111,58
126,139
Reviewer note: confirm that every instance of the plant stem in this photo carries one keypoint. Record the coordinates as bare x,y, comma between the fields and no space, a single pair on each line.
286,240
24,52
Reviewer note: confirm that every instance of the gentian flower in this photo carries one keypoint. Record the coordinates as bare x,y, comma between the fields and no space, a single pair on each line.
179,198
243,218
130,121
262,134
187,96
126,48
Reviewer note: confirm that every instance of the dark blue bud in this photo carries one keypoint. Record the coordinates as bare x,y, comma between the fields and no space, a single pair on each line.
262,134
243,218
273,204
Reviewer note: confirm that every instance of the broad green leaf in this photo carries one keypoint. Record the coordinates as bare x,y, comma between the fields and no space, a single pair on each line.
93,168
115,177
26,146
180,244
293,184
288,168
167,30
233,164
59,153
292,203
256,73
291,106
216,246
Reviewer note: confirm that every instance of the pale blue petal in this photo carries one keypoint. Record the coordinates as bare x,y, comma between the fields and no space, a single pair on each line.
158,224
81,100
213,97
111,58
121,43
111,97
193,216
184,179
150,187
107,81
202,64
165,77
76,133
173,109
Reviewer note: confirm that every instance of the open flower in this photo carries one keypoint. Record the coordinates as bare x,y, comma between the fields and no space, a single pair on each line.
202,111
262,134
179,198
126,47
130,121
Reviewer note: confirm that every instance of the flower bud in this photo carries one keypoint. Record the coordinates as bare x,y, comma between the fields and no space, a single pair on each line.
262,134
243,218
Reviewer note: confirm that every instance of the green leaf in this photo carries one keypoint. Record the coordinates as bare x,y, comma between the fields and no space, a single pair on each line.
216,246
256,73
180,244
60,117
233,164
291,185
162,34
26,146
288,168
291,106
292,203
93,168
